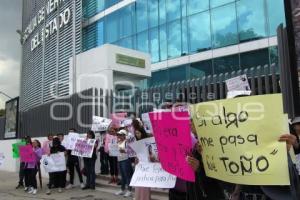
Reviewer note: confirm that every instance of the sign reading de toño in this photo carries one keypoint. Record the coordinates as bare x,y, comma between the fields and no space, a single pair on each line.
50,27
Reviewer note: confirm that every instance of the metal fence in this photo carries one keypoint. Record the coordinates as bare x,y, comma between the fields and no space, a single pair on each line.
76,111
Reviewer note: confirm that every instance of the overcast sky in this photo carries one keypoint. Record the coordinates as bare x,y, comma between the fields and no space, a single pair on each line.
10,48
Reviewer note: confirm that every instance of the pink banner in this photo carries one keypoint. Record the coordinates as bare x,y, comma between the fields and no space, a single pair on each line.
174,143
117,118
27,154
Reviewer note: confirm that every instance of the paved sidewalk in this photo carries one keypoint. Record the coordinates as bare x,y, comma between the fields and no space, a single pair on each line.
8,183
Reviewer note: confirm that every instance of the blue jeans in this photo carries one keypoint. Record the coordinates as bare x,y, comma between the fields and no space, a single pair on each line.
126,173
89,165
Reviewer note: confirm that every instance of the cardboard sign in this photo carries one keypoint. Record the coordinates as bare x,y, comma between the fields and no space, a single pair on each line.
130,139
27,154
84,148
239,138
144,148
174,143
100,124
2,159
117,119
113,150
71,140
15,149
239,83
54,162
109,139
147,123
152,175
126,122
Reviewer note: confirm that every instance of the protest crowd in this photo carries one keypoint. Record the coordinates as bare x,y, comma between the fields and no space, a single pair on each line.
174,154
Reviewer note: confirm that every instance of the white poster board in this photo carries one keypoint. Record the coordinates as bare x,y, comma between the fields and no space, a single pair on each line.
100,124
113,150
54,162
152,175
239,83
144,148
70,140
147,123
84,148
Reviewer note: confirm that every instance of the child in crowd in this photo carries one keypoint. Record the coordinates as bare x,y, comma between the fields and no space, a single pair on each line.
57,179
31,169
89,165
124,165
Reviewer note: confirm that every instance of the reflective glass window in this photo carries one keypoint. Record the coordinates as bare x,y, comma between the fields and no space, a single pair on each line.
162,12
109,3
216,3
224,26
141,15
200,69
126,24
112,28
153,13
154,45
277,17
252,19
160,77
226,64
174,39
100,5
196,6
274,57
163,43
173,9
178,73
255,58
126,42
199,36
100,33
184,32
143,42
183,8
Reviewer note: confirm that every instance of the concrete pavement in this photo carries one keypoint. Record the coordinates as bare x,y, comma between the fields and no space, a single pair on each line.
8,182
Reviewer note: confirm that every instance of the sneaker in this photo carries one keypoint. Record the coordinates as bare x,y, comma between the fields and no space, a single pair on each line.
82,185
34,191
119,193
30,190
128,194
19,186
70,186
59,190
26,189
85,188
48,192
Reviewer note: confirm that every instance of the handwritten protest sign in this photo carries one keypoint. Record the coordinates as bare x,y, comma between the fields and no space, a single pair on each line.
239,138
152,175
117,119
144,148
147,123
113,150
2,159
15,149
110,139
174,143
130,152
54,162
71,140
84,148
100,123
27,154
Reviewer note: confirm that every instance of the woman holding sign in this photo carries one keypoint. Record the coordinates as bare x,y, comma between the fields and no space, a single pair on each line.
31,168
89,164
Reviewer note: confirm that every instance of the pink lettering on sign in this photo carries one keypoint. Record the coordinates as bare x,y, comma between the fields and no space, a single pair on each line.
26,154
174,143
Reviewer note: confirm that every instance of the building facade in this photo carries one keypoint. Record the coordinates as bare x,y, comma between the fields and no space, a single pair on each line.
186,38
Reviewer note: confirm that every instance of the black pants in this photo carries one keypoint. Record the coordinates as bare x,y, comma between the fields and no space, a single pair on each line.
22,173
103,161
73,162
57,179
113,165
89,165
176,195
30,178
